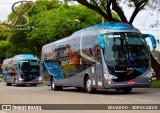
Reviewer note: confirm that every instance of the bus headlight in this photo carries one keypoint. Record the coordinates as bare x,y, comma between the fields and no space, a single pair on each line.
149,74
40,78
20,79
109,76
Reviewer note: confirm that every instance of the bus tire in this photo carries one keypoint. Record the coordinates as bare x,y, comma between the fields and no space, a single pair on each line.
88,86
127,90
53,86
8,84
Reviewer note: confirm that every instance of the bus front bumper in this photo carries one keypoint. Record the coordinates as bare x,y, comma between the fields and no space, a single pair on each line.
35,81
135,83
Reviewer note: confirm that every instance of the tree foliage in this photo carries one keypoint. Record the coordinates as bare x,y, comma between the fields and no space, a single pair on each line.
105,8
4,40
156,54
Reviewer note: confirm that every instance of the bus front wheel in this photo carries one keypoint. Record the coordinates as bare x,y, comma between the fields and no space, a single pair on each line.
89,87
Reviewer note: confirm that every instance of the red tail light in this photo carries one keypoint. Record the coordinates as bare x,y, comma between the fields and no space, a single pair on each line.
131,82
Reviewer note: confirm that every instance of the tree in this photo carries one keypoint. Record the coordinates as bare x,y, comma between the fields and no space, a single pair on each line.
105,8
59,23
4,41
156,54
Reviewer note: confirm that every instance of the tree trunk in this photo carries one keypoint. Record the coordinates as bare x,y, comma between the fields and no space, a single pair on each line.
156,67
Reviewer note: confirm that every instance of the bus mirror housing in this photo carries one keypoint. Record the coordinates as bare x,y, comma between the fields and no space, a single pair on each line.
102,41
152,38
18,64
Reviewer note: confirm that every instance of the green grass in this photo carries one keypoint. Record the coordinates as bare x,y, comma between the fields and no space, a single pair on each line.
155,83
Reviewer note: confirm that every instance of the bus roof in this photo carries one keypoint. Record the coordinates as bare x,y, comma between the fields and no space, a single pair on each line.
25,56
19,57
110,26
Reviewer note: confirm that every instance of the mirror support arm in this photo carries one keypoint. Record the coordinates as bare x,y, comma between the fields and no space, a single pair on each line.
152,38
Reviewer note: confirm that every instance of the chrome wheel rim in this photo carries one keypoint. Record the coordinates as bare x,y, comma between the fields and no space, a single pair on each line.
53,85
88,85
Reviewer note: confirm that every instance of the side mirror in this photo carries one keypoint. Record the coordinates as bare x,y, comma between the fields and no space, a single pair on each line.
152,38
18,64
102,41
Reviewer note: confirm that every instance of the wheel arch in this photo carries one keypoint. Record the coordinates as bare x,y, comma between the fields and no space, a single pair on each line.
85,78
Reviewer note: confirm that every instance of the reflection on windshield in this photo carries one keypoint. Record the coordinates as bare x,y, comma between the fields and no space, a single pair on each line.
121,47
28,67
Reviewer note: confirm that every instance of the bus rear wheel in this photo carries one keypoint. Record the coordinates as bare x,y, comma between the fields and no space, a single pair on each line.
54,87
89,87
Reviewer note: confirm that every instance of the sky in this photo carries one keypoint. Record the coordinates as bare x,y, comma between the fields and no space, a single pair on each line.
142,21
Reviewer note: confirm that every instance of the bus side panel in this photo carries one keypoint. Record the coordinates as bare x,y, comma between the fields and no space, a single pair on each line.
74,64
77,80
9,77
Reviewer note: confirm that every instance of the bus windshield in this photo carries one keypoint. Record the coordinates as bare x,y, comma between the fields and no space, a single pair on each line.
125,48
29,66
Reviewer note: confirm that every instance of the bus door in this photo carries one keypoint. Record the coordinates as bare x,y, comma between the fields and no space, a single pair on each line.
87,51
98,64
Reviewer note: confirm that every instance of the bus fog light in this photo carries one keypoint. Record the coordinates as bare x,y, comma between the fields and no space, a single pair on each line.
109,76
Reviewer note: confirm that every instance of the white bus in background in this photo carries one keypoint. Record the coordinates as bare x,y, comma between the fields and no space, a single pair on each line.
22,69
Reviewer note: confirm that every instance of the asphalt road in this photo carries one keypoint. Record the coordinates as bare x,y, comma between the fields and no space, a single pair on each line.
42,94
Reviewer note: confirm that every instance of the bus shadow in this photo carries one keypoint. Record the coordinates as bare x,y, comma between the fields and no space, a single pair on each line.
24,85
106,92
